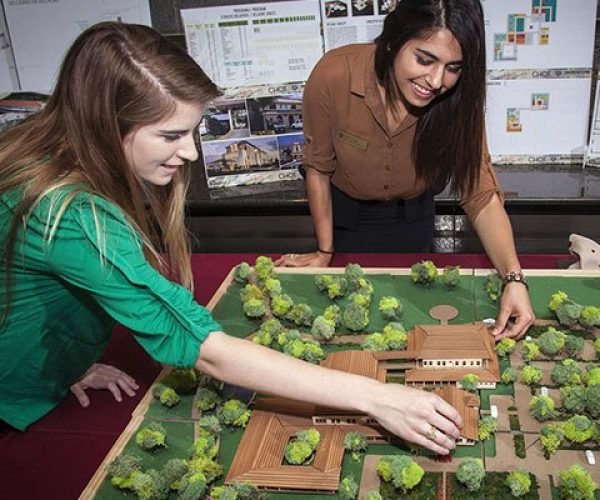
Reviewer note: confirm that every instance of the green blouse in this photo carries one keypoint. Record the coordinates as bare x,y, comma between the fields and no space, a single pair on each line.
69,288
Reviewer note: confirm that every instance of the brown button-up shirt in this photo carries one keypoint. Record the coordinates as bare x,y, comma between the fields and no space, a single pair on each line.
347,137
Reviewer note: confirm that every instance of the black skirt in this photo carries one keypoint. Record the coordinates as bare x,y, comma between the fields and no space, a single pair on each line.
404,226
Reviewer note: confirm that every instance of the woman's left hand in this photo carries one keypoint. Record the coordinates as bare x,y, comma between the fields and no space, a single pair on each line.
101,376
515,304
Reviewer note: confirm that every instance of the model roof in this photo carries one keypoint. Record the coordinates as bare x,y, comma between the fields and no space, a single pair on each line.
467,405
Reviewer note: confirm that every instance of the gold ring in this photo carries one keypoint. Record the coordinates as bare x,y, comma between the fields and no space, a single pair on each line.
432,434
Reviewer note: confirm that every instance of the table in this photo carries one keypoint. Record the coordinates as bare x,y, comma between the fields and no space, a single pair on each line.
57,455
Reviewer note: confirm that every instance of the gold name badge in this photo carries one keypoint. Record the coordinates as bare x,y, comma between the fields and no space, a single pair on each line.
353,140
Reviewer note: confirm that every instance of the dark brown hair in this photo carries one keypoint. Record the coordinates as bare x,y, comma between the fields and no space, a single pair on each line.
448,142
115,78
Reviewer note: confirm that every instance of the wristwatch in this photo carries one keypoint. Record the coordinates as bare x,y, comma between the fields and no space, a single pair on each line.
514,277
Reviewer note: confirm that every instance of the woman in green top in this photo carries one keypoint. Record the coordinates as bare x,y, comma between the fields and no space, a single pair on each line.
80,250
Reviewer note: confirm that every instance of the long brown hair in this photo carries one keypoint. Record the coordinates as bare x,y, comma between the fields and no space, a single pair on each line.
448,143
114,79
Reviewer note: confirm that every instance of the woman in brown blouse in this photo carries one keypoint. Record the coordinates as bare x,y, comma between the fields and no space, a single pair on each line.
389,124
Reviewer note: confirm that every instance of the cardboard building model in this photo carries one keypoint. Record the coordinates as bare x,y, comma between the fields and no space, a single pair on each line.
260,454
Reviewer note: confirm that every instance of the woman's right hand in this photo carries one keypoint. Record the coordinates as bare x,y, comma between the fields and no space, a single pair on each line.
314,259
417,416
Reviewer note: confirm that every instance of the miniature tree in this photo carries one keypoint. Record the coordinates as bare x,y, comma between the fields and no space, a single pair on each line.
181,380
210,423
281,304
301,315
355,443
401,471
149,486
243,272
207,399
424,272
166,395
173,472
395,336
234,413
123,469
205,444
530,350
531,375
568,312
333,313
551,341
355,317
592,376
251,291
336,289
302,447
205,466
348,488
590,316
255,308
542,408
567,373
575,483
223,493
471,472
151,436
505,347
509,375
353,274
578,429
373,495
592,400
487,426
470,382
556,300
391,308
264,268
551,437
493,286
573,398
322,281
360,299
323,328
451,276
574,345
519,482
375,342
194,486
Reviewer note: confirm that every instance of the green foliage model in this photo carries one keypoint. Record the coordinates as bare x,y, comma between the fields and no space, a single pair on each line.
590,316
281,305
578,429
166,395
182,380
234,413
519,482
390,308
505,347
150,485
471,472
348,488
542,408
424,272
207,399
556,300
551,437
355,317
530,350
469,382
487,426
151,436
551,341
243,272
493,286
567,373
301,315
323,328
255,308
355,443
531,375
302,447
451,276
123,469
401,471
568,312
393,338
575,483
573,398
509,375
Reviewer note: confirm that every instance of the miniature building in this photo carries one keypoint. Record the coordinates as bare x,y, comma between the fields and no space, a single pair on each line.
444,354
467,405
260,455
